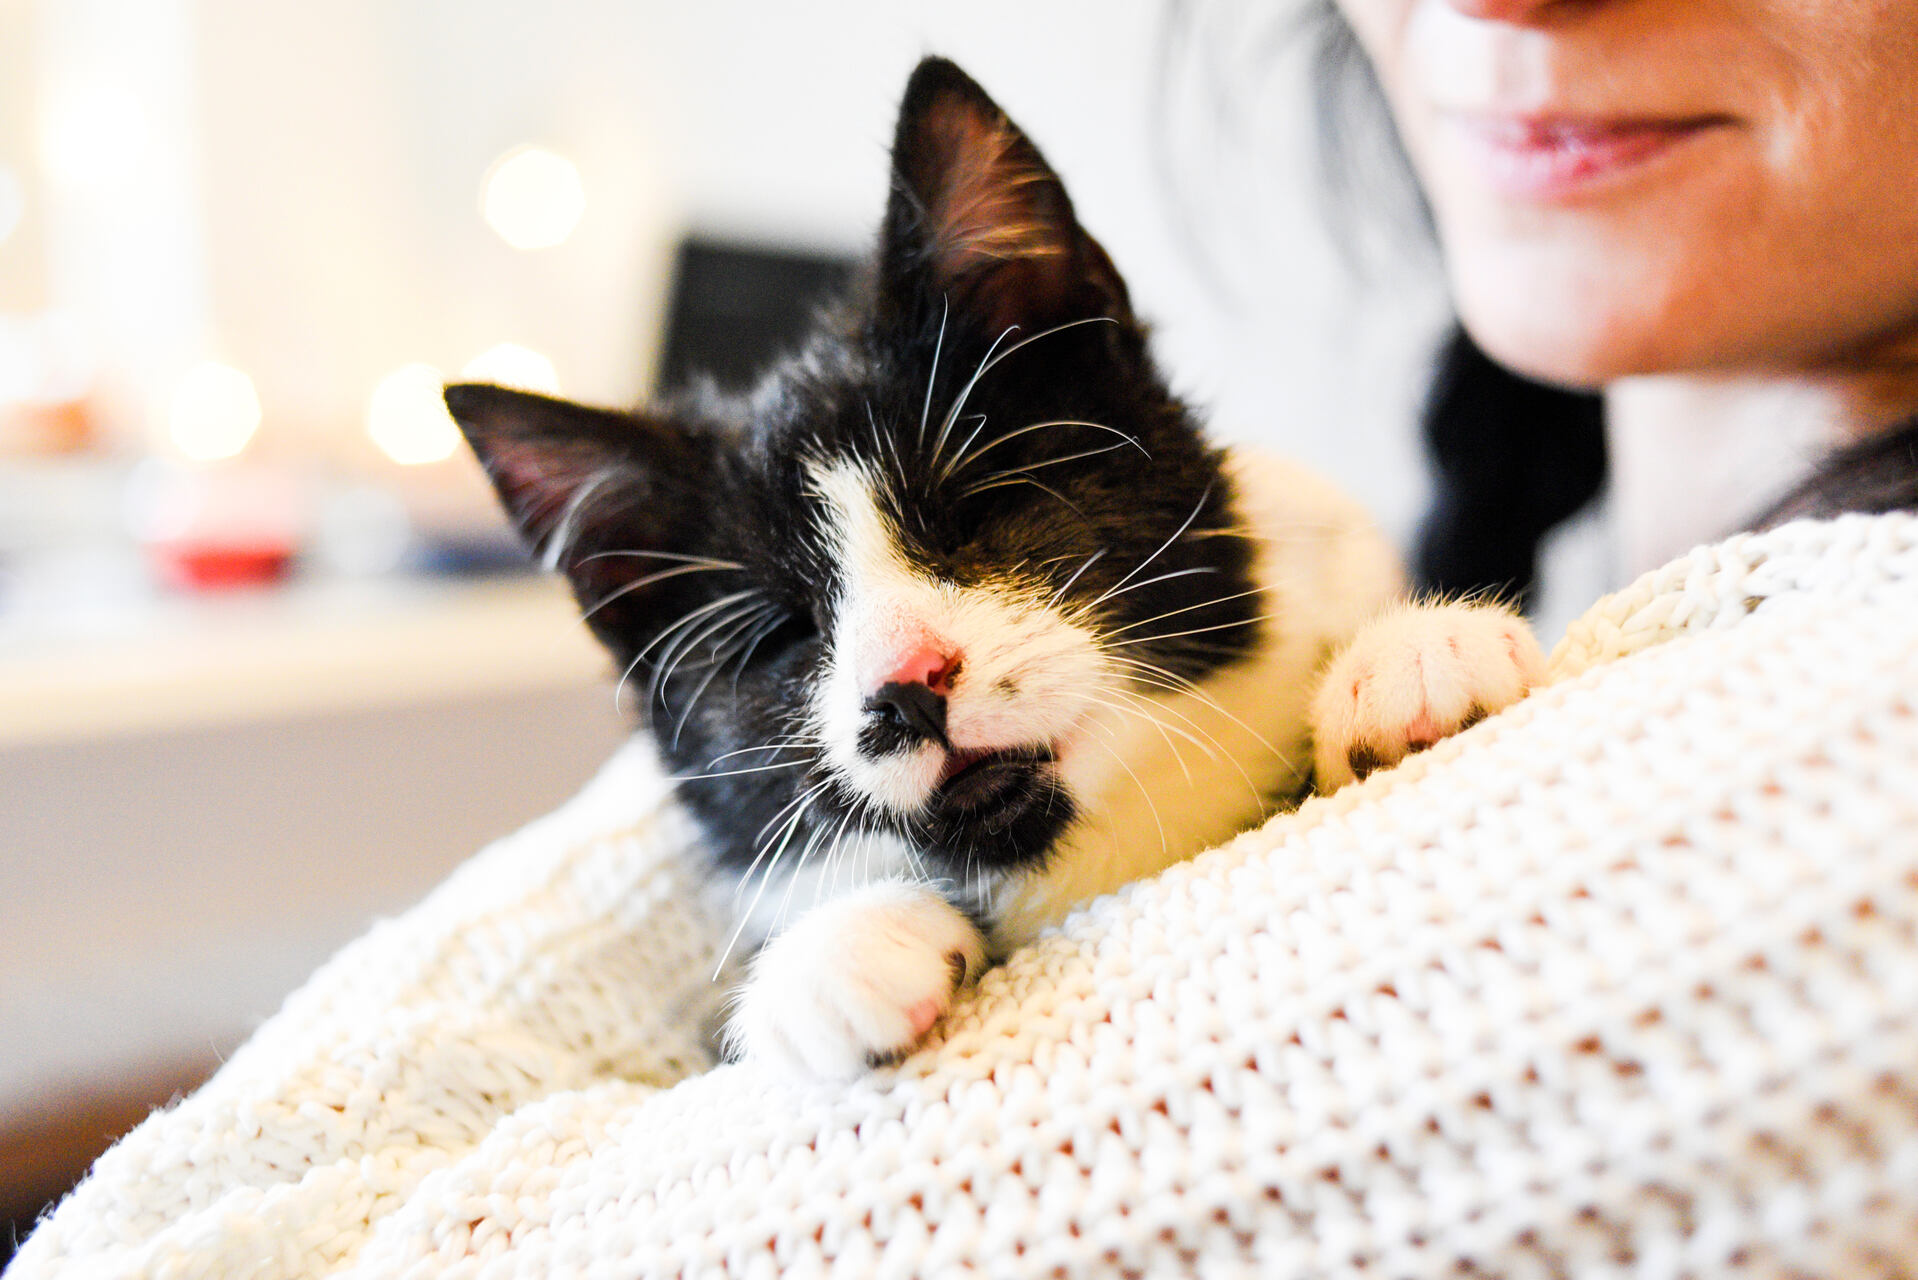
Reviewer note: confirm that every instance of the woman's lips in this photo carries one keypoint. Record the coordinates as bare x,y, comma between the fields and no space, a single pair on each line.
1547,158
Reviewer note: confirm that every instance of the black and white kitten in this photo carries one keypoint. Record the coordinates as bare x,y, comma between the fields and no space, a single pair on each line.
957,620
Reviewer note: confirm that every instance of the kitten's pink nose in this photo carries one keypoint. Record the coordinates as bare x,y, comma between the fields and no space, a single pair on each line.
909,707
929,665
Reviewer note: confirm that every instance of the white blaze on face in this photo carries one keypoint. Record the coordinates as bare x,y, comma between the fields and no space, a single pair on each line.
1027,677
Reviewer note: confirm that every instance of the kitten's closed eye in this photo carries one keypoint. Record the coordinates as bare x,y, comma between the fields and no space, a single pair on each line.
788,631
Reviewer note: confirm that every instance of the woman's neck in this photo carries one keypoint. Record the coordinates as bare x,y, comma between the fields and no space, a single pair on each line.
1694,457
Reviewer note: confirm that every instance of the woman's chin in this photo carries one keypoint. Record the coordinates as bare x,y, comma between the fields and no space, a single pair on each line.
1572,338
1578,367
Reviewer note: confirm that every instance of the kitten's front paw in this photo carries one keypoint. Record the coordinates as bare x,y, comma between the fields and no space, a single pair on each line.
856,982
1413,676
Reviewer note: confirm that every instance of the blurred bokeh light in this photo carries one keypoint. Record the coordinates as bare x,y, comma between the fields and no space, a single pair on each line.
511,365
215,411
533,198
406,417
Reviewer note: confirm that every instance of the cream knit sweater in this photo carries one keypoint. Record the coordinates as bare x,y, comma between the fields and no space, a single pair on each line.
1623,981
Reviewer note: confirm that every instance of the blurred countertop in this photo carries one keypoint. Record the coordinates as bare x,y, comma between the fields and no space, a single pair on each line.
166,662
202,796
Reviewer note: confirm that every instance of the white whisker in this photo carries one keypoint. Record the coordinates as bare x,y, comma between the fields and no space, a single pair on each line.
1196,631
663,555
1162,728
786,741
962,459
685,620
882,441
740,623
1173,613
1184,686
564,528
734,773
990,360
952,414
932,379
1211,748
953,465
1049,462
1035,484
761,839
648,580
1060,593
1176,535
675,654
1163,577
764,880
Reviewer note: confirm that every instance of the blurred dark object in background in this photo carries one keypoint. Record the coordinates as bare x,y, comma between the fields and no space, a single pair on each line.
735,308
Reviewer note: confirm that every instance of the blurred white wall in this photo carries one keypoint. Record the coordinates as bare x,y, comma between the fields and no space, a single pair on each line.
341,147
169,898
22,277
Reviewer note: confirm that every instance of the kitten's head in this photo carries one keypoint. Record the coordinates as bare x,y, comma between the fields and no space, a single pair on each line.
913,581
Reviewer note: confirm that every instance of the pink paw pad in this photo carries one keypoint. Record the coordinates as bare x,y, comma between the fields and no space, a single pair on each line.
921,1016
1421,731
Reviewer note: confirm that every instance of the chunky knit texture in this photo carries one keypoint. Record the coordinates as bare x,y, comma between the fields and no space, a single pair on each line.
1623,981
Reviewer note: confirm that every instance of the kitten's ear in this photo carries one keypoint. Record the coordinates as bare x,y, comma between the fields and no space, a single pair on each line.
548,457
977,216
590,490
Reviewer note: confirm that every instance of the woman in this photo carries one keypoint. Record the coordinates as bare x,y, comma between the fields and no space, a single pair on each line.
1705,213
